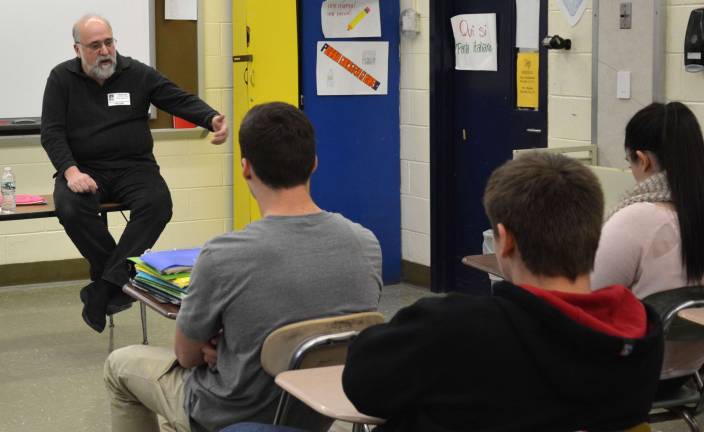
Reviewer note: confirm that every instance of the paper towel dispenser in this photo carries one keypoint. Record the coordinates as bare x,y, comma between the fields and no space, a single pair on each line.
694,42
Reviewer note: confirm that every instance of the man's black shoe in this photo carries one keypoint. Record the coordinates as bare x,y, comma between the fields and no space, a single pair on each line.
95,307
117,303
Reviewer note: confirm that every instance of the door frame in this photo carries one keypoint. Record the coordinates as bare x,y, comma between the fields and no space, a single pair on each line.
442,216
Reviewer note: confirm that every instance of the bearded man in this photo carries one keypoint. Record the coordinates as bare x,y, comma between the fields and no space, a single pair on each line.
95,130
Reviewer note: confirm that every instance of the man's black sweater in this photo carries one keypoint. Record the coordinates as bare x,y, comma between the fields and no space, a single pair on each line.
82,125
509,362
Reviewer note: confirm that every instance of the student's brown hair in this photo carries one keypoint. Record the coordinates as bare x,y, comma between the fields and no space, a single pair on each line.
279,142
553,206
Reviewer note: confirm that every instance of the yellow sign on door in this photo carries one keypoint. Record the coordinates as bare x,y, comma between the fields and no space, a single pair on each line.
527,80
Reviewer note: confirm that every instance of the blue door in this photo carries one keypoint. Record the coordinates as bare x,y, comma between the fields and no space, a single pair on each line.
357,139
481,126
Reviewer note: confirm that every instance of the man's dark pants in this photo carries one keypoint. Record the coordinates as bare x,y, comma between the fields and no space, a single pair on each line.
142,190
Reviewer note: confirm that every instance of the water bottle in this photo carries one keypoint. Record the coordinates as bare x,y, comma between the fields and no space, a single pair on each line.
8,191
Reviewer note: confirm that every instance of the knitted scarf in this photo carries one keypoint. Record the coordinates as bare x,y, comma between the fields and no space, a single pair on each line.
653,189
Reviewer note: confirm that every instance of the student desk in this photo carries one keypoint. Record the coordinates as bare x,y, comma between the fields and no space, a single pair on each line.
167,310
486,263
321,389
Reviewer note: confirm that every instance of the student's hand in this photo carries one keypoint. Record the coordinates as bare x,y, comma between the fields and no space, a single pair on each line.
219,129
79,182
210,353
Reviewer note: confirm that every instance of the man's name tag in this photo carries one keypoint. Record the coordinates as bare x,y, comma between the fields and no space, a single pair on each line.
117,99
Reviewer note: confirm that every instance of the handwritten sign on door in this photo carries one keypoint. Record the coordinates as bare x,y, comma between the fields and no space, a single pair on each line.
475,41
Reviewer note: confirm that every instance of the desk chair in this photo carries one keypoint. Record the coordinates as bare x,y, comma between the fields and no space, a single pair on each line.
684,357
309,344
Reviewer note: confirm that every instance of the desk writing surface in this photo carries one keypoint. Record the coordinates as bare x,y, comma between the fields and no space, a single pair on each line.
167,310
32,211
321,389
695,315
486,263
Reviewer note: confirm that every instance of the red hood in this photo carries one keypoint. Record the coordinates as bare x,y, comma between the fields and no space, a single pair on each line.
613,310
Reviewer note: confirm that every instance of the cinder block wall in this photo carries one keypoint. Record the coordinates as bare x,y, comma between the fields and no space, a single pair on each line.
570,80
198,173
415,140
680,85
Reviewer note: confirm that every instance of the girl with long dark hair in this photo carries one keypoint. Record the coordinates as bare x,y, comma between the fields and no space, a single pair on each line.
654,240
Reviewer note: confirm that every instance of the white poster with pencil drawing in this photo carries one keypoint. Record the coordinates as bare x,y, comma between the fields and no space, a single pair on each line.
475,41
350,18
352,68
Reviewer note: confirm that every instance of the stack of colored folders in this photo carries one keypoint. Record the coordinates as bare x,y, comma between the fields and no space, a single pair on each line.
165,274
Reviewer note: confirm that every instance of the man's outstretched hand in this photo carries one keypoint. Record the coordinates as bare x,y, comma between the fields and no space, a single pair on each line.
219,129
79,182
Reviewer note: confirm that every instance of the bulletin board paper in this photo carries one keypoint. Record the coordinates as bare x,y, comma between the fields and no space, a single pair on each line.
527,80
350,18
352,68
527,24
475,41
181,10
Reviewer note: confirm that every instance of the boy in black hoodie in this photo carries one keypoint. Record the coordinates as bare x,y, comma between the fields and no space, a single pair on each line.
544,353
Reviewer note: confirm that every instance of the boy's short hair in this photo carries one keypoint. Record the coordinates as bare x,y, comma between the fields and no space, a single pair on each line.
279,141
553,206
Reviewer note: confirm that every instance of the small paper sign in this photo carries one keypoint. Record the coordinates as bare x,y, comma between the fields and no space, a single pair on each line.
475,41
527,80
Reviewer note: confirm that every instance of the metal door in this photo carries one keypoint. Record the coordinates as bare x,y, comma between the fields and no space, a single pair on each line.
481,128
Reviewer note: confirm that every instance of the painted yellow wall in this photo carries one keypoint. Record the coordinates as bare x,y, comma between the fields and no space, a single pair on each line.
198,173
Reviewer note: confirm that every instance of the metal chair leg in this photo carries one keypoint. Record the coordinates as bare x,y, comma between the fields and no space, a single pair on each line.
279,409
111,340
691,421
143,315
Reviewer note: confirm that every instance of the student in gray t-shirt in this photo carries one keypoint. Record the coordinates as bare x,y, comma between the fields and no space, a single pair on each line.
298,262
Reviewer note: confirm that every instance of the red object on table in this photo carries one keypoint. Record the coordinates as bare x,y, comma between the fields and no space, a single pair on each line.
180,123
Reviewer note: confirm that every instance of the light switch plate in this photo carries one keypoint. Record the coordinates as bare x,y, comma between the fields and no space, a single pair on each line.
623,84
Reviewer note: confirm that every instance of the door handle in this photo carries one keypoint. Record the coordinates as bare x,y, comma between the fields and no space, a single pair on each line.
242,58
534,131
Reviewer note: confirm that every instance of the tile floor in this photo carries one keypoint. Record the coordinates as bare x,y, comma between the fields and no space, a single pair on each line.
51,376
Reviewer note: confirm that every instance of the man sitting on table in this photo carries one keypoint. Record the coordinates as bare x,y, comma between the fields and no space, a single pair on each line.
544,353
297,263
95,130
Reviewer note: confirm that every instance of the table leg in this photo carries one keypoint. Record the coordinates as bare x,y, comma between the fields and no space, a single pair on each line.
111,326
143,314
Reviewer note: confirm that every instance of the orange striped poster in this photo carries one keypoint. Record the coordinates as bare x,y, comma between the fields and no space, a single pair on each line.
352,68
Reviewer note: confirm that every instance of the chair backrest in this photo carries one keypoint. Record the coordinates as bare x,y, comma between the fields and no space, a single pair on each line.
313,343
684,341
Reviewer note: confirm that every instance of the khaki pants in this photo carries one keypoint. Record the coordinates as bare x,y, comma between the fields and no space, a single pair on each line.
143,381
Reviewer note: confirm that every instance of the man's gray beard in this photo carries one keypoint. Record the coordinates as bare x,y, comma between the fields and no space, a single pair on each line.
103,73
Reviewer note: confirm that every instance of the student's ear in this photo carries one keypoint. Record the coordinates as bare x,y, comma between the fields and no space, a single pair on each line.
506,244
246,169
315,165
644,160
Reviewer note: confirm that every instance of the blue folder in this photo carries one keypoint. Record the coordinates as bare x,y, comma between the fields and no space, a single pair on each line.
173,260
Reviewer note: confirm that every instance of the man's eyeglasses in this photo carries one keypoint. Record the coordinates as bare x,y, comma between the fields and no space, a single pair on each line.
95,46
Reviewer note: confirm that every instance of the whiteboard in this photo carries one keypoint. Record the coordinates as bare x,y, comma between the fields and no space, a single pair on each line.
36,36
